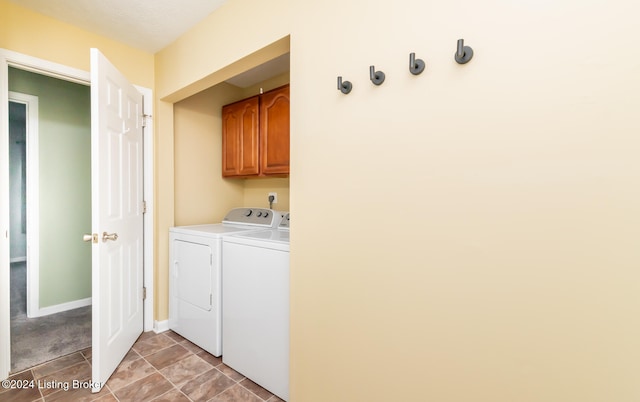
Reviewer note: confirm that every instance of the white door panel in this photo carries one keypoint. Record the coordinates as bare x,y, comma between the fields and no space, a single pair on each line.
117,200
193,271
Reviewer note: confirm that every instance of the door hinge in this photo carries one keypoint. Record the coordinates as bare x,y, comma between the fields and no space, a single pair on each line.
144,293
211,299
144,207
145,120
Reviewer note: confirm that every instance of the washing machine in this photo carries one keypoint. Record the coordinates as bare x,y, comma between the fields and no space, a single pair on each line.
255,306
195,270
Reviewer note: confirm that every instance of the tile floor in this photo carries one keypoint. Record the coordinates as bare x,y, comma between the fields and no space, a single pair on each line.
161,367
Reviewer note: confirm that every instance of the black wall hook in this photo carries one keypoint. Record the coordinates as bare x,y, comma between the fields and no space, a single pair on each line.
463,53
377,77
344,86
415,66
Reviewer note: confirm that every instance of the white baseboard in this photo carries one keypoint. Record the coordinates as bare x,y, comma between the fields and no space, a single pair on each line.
160,326
18,259
58,308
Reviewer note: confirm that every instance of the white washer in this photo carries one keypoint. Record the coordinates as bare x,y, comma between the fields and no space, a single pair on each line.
195,258
255,306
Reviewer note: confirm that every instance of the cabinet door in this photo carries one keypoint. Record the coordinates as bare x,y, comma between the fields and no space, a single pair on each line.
274,131
240,124
230,140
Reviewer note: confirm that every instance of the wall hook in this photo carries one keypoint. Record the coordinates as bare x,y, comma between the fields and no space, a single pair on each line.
344,86
463,53
377,77
415,66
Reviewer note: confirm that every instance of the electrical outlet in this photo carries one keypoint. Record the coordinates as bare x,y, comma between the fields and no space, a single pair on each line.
275,197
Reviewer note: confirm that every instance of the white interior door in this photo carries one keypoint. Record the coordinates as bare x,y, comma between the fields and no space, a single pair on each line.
117,217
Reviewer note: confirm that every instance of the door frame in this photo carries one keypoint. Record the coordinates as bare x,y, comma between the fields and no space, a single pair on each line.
18,60
33,207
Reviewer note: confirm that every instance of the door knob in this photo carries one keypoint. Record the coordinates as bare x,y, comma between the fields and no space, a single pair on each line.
106,236
90,237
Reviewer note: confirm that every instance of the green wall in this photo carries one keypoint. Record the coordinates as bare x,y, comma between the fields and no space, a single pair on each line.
65,184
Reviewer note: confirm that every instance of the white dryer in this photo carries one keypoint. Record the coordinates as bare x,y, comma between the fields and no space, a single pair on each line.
195,258
255,306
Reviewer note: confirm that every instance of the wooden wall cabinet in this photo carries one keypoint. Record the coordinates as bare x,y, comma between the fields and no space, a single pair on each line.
240,138
255,135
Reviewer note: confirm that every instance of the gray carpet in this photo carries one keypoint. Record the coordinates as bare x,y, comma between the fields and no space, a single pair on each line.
38,340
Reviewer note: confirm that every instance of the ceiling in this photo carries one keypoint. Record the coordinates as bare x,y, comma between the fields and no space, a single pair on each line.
149,25
271,68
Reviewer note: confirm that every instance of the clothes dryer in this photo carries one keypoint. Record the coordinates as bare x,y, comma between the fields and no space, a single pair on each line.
195,258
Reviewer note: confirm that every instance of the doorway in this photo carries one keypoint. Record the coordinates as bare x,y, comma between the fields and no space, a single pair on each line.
18,60
50,158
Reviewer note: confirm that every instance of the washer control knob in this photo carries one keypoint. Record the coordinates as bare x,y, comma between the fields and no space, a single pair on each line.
259,214
266,214
249,212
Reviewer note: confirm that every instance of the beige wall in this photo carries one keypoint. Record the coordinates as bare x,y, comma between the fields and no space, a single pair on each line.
215,59
201,194
511,271
506,268
266,85
24,31
256,193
